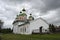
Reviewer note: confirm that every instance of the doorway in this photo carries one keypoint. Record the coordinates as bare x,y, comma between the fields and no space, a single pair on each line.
40,29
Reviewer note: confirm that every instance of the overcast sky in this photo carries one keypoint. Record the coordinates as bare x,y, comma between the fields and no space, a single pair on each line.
49,10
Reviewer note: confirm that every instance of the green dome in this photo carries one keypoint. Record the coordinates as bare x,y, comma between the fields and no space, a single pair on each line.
23,14
31,17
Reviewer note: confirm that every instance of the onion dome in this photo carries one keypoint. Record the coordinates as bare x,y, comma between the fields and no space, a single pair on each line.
20,12
23,9
31,17
23,14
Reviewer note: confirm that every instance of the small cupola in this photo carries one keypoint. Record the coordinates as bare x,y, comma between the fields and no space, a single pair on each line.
31,17
20,11
23,9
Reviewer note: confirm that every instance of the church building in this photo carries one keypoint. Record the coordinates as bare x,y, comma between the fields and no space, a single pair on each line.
24,25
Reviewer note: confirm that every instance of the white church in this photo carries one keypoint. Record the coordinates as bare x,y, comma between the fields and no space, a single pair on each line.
24,25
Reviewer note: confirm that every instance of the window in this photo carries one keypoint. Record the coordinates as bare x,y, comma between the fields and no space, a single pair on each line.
25,29
20,18
20,29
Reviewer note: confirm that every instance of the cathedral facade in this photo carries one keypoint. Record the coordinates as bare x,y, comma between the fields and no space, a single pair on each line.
22,25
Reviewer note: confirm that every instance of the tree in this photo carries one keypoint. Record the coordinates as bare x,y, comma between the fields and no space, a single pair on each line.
52,28
1,24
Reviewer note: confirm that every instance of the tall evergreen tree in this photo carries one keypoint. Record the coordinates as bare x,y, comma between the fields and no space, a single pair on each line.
50,29
53,28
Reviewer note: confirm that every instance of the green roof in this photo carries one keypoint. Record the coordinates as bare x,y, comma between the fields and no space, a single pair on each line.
24,23
22,14
31,17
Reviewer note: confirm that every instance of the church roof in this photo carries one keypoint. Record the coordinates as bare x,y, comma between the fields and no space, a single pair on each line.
24,23
17,21
20,21
41,19
44,20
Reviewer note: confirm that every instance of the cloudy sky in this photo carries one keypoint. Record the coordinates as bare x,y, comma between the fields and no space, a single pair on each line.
47,9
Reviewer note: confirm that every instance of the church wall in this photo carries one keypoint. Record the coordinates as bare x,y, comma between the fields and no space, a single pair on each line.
35,24
38,23
21,28
27,29
15,29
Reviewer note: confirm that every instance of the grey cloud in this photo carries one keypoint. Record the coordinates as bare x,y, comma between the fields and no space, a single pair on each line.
8,9
51,4
46,5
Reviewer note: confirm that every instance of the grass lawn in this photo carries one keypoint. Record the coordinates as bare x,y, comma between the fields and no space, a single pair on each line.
30,37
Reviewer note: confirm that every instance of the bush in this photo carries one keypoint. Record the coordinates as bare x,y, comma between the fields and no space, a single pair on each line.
6,30
0,38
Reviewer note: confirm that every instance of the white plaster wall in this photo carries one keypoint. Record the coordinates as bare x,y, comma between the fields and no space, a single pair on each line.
38,23
15,29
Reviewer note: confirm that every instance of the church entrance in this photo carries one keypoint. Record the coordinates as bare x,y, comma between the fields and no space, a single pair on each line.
40,29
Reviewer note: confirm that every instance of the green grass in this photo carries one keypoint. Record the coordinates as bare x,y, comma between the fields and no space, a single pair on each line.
30,37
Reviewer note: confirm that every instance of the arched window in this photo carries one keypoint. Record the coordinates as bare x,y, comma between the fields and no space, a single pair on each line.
24,29
20,29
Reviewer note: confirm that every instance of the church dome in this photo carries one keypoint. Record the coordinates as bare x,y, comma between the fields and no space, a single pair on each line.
22,14
23,9
31,17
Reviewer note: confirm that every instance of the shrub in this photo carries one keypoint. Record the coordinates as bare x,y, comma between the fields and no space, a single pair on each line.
0,38
8,30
